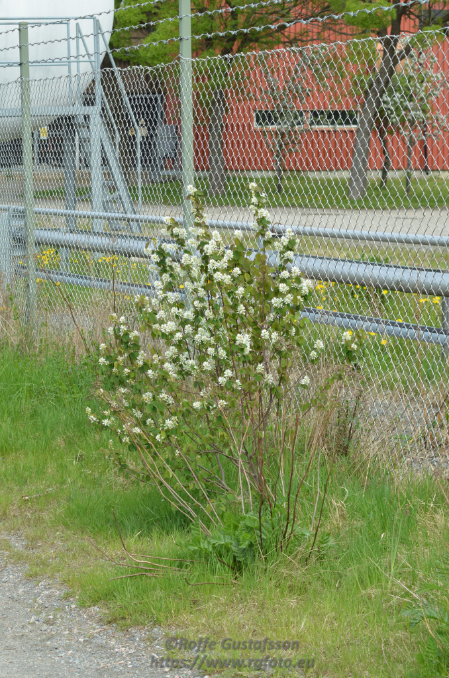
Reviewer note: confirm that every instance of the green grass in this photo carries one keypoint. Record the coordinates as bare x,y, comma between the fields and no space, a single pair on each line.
343,606
302,190
299,190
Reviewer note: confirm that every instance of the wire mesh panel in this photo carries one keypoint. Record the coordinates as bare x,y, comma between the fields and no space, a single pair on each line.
372,228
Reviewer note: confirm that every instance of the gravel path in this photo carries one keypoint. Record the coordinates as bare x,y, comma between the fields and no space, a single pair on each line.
44,634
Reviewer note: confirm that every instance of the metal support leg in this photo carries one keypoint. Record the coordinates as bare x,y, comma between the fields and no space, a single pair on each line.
69,153
69,150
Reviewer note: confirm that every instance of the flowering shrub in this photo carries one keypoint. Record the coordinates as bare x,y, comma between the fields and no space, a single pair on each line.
211,396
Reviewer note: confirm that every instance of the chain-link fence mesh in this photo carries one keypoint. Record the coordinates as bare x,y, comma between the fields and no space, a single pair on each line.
371,220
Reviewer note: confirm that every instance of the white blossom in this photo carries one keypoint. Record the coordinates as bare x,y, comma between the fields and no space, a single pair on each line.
306,287
166,398
244,339
171,423
305,381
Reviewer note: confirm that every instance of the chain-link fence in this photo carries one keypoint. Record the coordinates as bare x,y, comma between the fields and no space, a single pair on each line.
358,168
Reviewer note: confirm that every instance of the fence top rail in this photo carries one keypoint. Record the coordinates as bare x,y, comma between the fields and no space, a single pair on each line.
277,229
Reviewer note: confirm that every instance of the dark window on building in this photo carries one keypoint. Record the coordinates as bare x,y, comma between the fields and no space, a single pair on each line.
278,118
333,118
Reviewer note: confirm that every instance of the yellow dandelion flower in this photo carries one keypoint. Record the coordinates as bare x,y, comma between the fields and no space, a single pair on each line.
384,342
384,291
399,320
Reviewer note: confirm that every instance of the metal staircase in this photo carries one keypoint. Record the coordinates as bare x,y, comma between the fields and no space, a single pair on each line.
115,195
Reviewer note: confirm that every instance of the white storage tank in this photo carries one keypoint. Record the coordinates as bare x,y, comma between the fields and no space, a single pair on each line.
51,84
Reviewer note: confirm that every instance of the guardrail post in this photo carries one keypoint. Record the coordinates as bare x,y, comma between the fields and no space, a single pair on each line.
445,322
185,75
27,141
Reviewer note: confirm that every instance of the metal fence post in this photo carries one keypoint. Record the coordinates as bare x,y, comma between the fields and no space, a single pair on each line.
96,169
27,141
185,74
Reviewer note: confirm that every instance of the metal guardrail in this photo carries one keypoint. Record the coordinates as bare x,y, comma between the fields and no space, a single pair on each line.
277,229
353,272
409,331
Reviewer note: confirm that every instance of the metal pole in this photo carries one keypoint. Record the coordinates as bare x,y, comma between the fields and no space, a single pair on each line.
185,52
96,170
27,145
139,167
69,160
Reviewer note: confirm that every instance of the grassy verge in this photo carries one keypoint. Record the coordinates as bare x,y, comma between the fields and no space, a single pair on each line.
343,606
299,190
302,190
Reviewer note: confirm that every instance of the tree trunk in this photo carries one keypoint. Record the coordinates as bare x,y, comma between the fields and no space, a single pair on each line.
217,169
408,173
279,162
373,100
387,160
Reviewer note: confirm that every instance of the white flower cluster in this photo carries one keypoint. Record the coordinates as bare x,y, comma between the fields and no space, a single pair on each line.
244,339
170,423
